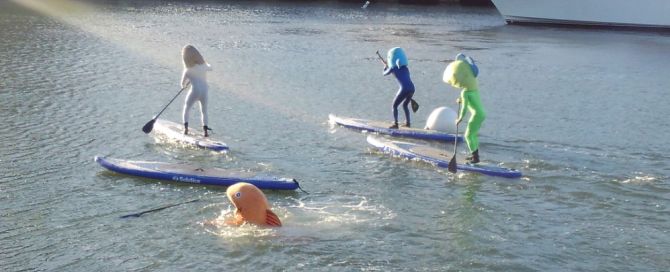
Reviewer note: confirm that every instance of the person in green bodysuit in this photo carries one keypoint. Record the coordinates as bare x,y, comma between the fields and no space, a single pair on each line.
462,73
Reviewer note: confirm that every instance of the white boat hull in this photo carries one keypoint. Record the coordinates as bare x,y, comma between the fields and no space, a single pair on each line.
631,13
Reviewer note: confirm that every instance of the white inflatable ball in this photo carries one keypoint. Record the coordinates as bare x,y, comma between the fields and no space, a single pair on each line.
442,119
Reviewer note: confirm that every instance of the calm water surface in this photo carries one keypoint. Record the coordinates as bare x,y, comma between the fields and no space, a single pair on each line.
582,112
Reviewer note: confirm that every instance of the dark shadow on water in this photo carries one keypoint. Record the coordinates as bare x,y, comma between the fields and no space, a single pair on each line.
328,2
577,27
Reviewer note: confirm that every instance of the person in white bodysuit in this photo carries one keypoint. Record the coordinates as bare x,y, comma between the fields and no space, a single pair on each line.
195,72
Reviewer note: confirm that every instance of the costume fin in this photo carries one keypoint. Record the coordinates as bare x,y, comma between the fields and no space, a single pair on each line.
272,219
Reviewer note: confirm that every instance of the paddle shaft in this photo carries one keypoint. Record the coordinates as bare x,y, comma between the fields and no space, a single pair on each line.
168,104
452,167
382,59
149,126
456,141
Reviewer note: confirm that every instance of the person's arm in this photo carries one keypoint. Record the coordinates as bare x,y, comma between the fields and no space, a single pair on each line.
387,70
464,101
183,79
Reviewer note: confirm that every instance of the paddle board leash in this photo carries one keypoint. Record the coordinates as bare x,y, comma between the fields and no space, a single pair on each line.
134,215
158,209
150,125
452,164
296,182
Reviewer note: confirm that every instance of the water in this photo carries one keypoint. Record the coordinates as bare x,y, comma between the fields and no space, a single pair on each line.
580,111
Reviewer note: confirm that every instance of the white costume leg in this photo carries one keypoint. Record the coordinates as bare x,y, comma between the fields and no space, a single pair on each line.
203,108
191,97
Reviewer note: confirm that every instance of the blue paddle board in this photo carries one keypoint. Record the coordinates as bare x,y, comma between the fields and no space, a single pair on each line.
439,157
381,127
175,132
193,174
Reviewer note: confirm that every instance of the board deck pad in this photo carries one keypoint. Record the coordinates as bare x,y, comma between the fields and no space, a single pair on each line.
175,131
382,127
183,169
185,173
438,157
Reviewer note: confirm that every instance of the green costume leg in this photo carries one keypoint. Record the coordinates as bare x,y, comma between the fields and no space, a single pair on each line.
472,133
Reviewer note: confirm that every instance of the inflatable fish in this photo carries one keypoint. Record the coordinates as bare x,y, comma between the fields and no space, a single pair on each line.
251,206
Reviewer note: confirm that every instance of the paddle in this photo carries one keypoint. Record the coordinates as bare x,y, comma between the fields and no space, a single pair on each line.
150,125
157,209
415,106
381,58
452,162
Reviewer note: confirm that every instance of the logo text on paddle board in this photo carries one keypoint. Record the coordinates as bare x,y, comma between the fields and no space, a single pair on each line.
185,179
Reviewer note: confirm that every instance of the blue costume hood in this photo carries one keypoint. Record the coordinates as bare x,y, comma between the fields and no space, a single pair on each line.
396,57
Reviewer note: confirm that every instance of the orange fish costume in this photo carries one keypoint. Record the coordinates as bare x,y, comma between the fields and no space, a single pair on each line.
251,206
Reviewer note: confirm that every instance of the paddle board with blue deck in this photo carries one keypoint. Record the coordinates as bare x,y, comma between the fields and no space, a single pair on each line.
439,157
382,127
175,132
193,174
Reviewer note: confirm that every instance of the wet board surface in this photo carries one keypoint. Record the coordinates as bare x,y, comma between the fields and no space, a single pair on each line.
175,132
382,127
439,157
185,173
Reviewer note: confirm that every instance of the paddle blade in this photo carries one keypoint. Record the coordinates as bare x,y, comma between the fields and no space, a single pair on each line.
452,165
415,106
149,126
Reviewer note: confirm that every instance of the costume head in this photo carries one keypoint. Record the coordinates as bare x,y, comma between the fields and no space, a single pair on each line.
469,60
459,74
191,56
251,205
396,58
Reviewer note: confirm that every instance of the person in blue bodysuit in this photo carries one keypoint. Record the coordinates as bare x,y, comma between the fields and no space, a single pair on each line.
396,64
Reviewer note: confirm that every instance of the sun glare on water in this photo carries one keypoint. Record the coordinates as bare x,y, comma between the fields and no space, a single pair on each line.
156,46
